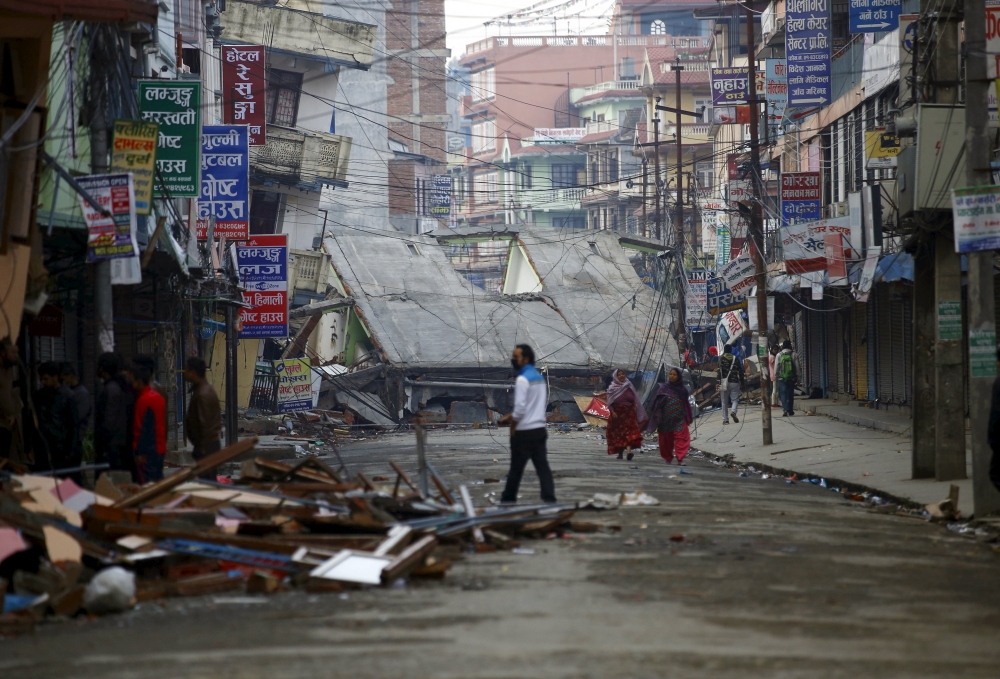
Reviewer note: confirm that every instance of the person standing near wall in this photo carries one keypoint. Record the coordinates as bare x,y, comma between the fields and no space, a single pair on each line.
149,427
788,374
113,411
203,420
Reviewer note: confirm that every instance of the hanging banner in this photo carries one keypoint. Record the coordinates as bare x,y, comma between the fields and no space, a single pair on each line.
225,182
731,328
719,298
976,213
803,243
868,273
776,90
294,384
752,313
801,197
696,300
176,107
881,149
112,236
722,241
808,39
133,149
874,16
244,90
440,195
730,86
262,263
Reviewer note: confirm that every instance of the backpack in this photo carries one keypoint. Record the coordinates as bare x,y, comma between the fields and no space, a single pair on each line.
786,367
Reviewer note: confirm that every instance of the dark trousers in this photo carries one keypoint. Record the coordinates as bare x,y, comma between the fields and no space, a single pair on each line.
995,468
200,452
786,391
524,446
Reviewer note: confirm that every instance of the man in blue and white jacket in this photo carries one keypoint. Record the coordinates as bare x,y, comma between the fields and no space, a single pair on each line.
527,426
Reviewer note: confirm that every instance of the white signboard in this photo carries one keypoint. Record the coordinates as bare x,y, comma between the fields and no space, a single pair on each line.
976,213
739,275
544,135
881,62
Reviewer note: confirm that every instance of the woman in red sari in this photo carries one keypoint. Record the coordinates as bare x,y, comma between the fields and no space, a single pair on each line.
671,415
627,416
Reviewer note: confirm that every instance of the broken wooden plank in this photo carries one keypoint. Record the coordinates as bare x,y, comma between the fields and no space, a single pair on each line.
408,559
204,465
470,511
404,477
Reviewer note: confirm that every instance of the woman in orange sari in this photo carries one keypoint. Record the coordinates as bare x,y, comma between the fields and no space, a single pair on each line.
627,416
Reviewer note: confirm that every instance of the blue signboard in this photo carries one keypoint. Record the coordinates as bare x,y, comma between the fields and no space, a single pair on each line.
875,16
225,181
441,195
719,298
808,39
796,211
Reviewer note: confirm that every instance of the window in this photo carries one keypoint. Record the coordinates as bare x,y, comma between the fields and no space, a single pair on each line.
265,206
333,121
658,27
704,105
283,90
484,136
526,178
564,175
413,249
483,84
569,222
612,167
486,187
626,69
600,117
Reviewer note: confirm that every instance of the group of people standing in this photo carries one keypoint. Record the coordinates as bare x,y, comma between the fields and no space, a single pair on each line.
128,417
671,414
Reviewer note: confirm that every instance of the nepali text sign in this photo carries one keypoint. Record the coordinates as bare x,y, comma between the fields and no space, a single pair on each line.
976,212
730,86
225,182
244,90
262,264
440,195
711,210
776,89
808,39
801,197
874,16
294,384
739,275
176,107
112,236
696,300
881,149
803,243
722,243
133,149
719,298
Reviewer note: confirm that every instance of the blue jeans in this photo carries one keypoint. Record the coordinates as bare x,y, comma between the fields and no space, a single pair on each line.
786,391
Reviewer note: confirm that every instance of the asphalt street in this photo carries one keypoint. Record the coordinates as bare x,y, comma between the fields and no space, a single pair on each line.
728,577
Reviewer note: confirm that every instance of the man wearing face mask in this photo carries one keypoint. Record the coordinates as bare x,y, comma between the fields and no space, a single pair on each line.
527,426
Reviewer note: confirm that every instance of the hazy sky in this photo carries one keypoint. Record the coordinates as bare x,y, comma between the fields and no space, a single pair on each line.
465,19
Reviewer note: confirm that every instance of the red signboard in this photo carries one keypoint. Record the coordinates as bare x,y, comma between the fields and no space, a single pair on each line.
244,88
598,408
801,186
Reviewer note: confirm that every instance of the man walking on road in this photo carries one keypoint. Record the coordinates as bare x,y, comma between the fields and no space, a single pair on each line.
788,373
203,421
730,382
527,427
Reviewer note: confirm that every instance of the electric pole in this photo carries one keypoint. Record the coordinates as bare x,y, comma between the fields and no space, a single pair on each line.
679,229
99,164
757,233
656,166
981,314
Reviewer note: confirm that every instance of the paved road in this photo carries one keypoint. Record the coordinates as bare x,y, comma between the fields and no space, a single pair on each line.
770,580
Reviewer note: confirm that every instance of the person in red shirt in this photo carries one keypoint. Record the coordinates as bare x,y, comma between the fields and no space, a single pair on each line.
149,427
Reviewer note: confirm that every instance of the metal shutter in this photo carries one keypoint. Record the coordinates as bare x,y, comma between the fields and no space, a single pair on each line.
814,347
834,351
886,344
871,347
902,339
800,345
907,304
859,350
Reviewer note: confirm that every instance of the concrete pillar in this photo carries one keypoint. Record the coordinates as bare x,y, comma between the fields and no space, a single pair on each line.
949,413
924,335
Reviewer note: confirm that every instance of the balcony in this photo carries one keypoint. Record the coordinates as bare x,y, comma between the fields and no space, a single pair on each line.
301,159
611,85
301,34
310,270
772,25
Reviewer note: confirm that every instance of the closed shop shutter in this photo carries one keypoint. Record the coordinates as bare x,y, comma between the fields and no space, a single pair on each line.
901,342
814,347
871,346
907,305
50,349
800,345
886,344
859,350
834,350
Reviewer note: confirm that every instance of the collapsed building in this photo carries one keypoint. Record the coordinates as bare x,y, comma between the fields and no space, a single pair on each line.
424,325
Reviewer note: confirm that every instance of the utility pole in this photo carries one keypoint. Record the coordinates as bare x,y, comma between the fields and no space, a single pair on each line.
645,179
679,229
99,164
757,232
981,314
656,167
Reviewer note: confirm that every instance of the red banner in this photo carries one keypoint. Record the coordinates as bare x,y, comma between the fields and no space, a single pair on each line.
801,186
244,89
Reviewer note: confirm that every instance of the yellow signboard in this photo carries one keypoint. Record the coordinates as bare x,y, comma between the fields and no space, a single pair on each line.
881,149
134,150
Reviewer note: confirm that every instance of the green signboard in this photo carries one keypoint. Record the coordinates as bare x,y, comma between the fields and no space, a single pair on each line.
982,353
176,107
949,320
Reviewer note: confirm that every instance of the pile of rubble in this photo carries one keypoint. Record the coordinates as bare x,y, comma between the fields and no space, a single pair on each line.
66,551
